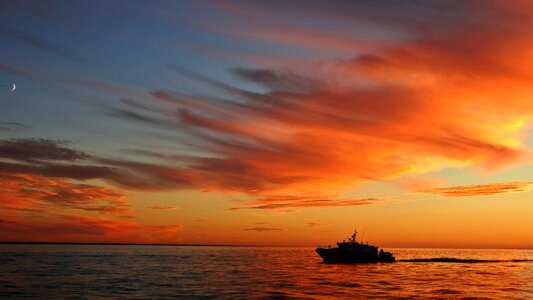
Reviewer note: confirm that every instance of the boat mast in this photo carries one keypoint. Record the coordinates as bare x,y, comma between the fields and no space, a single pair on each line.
354,235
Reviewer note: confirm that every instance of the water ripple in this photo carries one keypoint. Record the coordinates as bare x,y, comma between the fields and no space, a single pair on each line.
100,271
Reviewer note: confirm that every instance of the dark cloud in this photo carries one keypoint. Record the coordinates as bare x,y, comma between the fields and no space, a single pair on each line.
53,159
72,171
277,80
158,155
32,150
141,117
50,158
147,176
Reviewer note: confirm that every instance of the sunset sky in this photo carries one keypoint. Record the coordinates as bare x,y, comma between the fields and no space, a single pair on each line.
267,122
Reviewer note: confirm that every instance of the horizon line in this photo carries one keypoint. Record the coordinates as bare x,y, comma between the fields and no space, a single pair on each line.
220,245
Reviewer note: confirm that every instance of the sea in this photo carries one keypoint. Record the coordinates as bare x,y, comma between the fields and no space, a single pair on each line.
213,272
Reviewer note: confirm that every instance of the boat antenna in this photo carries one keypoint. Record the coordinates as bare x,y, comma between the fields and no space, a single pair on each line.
363,235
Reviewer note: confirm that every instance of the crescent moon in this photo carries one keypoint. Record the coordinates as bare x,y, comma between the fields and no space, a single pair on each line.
14,87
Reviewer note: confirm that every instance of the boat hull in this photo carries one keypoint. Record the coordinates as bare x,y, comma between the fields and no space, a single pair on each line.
338,255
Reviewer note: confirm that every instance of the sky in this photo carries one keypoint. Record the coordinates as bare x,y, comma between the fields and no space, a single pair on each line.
267,122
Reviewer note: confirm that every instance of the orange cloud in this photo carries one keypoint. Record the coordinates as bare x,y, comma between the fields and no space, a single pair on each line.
417,184
42,210
479,190
42,198
450,91
279,202
438,97
160,207
76,228
24,191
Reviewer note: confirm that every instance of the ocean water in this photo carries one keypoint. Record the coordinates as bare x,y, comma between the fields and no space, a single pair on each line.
94,271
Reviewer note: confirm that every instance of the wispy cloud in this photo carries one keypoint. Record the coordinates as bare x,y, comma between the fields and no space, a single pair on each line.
327,127
426,98
161,207
12,127
102,86
283,202
204,220
316,224
262,229
480,190
42,181
25,191
37,42
31,150
41,175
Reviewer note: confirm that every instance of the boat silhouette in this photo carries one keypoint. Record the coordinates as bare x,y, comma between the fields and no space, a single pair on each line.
353,252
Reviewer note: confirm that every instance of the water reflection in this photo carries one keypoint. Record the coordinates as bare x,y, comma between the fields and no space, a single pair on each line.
166,272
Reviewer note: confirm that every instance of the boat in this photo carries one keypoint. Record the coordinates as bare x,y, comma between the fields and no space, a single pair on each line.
353,252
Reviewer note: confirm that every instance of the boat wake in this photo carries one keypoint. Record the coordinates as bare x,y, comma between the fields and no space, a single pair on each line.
461,260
